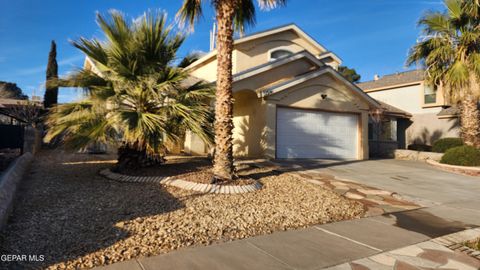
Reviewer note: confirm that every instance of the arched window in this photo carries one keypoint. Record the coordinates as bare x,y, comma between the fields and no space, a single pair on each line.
277,54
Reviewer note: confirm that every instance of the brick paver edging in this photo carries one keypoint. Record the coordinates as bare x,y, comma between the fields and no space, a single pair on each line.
456,241
179,183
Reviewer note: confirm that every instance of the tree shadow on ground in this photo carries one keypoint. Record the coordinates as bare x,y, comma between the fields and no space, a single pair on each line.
65,210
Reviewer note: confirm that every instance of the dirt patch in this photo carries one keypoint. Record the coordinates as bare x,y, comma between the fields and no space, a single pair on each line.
78,219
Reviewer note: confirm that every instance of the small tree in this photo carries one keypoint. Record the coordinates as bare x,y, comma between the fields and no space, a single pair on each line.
349,73
11,90
51,90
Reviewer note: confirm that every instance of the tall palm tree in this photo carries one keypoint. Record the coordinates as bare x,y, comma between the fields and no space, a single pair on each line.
133,94
450,52
231,15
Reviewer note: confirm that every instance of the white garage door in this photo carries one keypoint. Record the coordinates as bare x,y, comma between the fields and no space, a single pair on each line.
315,134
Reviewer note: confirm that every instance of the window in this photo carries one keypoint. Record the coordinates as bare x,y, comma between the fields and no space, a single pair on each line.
277,54
430,95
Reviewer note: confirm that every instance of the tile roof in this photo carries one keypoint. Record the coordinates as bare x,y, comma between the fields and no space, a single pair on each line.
393,79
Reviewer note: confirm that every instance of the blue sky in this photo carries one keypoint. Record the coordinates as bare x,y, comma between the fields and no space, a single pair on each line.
372,36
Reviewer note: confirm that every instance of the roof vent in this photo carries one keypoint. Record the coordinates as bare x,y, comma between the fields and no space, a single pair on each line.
376,77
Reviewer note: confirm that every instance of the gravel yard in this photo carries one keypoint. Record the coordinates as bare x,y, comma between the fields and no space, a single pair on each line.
78,219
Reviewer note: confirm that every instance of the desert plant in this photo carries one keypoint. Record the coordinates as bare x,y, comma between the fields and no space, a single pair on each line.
133,94
462,155
450,53
442,145
231,15
51,90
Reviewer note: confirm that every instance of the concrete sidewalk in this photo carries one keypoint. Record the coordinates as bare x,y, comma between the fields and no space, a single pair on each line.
319,246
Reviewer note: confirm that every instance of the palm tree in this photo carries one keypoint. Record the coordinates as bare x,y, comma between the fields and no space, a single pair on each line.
133,94
450,54
231,15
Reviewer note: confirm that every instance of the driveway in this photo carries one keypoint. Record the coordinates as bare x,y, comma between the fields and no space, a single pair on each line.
448,195
411,178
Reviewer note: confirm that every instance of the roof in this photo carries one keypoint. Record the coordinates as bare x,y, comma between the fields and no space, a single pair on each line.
393,111
272,64
265,33
449,112
388,81
314,74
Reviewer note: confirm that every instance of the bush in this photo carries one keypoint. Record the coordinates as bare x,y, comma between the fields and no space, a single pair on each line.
420,147
442,145
462,155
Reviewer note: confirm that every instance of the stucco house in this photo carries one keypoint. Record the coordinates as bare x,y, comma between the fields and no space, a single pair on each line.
429,117
289,99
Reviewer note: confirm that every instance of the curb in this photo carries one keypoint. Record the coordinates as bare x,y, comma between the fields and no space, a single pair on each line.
9,182
472,171
179,183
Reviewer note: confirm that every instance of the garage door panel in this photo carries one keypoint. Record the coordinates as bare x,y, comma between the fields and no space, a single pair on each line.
314,134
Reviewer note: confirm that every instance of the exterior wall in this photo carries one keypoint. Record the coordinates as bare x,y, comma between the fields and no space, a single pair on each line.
408,98
427,128
256,52
249,125
193,145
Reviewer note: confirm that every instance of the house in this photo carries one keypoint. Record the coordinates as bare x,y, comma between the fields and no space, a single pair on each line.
429,117
290,101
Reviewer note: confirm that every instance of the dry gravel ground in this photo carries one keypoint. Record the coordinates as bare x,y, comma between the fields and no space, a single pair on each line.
78,219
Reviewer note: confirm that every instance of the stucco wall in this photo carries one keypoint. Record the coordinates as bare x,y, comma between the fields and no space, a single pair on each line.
249,125
256,52
427,128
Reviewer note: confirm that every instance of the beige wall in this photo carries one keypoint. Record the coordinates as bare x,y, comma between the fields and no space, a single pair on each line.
427,128
256,52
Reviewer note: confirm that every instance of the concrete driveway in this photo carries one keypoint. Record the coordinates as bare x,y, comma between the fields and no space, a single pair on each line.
447,195
411,178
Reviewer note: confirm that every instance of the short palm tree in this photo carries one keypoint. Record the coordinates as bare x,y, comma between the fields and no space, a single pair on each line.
134,95
231,15
450,53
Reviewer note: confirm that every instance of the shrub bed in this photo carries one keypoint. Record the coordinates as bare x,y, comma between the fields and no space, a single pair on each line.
462,156
442,145
420,147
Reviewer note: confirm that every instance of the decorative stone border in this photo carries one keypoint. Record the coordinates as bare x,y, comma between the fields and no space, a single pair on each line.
179,183
473,171
9,181
404,154
455,241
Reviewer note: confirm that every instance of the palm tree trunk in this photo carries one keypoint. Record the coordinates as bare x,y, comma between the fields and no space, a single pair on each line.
470,121
223,160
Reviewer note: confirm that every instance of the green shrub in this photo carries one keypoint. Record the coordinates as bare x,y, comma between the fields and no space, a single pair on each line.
442,145
462,155
420,147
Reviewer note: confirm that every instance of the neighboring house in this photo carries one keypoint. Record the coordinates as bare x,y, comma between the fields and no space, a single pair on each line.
289,100
428,116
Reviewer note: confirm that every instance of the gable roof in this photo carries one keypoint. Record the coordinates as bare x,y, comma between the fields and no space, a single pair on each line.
391,80
314,74
393,111
253,36
270,65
